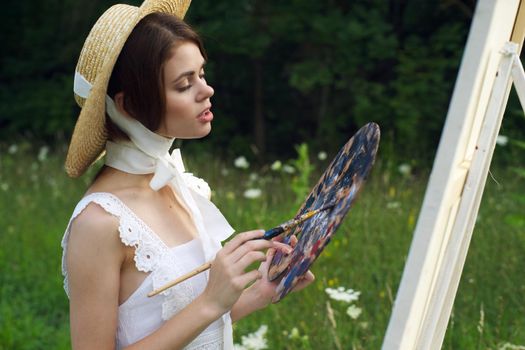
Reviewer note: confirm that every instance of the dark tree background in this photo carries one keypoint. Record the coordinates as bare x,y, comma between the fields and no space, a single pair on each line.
284,72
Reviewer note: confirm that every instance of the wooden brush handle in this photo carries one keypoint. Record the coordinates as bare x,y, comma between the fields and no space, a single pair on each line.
182,278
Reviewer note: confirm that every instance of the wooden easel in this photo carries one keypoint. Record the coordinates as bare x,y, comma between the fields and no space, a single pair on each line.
444,229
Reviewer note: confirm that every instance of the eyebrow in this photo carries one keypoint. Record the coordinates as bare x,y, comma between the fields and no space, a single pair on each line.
187,74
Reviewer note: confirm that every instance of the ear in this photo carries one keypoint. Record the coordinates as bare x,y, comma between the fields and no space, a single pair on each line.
119,102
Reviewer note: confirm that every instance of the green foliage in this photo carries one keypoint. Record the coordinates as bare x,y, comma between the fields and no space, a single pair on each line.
315,71
300,183
367,254
515,217
519,170
42,41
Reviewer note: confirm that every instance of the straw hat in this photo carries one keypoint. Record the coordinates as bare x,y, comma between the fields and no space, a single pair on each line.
95,65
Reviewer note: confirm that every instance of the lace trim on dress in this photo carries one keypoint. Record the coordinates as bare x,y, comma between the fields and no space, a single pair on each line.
133,232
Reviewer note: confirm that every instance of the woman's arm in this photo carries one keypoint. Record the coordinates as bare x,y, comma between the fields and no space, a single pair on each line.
228,280
94,257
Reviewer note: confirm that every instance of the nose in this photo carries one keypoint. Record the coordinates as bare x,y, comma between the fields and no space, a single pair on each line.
206,91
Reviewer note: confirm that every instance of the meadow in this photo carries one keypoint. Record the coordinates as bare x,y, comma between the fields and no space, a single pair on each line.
361,267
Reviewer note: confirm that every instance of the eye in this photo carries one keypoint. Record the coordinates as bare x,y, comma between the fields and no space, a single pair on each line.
184,88
183,85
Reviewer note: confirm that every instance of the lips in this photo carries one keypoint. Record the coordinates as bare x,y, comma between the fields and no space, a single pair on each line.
205,116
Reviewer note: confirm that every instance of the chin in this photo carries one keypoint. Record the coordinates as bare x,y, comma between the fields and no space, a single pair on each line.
206,131
197,135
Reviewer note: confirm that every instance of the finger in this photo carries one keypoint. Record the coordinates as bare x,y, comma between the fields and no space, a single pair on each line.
284,248
283,237
304,281
278,238
249,246
265,266
258,245
270,254
240,239
293,240
249,259
242,281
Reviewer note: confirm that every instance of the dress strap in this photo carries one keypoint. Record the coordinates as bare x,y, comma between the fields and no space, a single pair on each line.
133,232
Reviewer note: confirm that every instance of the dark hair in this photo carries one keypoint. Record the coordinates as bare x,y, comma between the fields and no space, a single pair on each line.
138,72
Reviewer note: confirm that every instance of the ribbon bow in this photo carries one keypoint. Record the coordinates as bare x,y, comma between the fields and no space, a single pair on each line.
172,163
148,153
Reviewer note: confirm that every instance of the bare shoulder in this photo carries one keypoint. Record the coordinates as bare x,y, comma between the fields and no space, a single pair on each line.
95,231
95,221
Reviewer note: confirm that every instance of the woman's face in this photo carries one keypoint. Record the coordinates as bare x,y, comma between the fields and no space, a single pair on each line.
188,105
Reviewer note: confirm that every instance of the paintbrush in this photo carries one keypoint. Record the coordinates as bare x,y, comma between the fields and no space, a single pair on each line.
285,226
269,234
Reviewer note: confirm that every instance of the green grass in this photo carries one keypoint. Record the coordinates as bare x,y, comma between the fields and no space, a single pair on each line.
366,254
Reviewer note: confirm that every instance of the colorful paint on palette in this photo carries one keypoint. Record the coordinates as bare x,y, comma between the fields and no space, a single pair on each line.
339,185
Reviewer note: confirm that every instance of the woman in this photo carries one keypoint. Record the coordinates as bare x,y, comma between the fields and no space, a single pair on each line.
144,221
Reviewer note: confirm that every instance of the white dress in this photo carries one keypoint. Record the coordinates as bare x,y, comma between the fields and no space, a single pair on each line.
140,315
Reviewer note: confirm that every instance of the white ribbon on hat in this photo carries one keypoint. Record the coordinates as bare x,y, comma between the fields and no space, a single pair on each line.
147,153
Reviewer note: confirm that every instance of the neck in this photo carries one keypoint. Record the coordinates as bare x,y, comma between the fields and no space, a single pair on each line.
123,179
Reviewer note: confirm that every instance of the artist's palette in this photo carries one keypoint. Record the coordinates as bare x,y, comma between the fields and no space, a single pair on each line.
339,185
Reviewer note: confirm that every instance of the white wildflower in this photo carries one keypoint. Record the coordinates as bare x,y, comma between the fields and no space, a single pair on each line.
241,162
254,341
509,346
4,186
253,177
12,149
294,333
405,169
224,172
252,193
288,169
42,153
353,311
276,166
341,294
322,155
502,140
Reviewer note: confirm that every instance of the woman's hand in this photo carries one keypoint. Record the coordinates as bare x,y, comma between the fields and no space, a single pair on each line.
228,276
265,284
262,292
307,278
